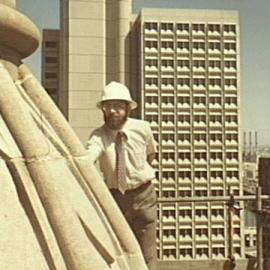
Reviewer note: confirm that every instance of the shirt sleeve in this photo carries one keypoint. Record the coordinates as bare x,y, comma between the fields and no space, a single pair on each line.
94,147
151,143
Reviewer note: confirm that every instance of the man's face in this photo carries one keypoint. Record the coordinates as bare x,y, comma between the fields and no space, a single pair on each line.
115,113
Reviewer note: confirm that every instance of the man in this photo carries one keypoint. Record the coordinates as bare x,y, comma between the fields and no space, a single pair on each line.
125,148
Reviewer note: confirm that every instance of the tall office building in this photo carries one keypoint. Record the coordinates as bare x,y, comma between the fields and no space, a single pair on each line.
189,84
50,62
183,69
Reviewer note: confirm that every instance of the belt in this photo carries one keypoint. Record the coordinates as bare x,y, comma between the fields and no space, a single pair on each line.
143,185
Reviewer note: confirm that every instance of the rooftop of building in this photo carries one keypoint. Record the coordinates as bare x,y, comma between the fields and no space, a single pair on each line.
192,14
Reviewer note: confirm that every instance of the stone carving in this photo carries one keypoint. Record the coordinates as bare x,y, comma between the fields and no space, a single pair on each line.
55,210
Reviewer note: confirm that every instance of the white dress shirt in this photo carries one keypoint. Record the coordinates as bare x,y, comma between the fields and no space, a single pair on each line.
139,144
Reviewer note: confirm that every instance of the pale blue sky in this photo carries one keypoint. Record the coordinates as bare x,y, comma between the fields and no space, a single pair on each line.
255,49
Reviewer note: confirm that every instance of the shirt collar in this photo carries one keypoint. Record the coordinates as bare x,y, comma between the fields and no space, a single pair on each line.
113,133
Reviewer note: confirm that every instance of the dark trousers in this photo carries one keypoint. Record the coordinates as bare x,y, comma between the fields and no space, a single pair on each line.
139,207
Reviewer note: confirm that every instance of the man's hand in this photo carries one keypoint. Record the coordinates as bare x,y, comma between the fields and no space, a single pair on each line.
151,157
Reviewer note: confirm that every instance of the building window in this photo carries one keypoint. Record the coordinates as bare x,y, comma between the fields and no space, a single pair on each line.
50,60
201,212
215,82
199,82
200,155
214,46
231,118
167,118
200,118
167,26
184,155
198,27
230,64
150,26
215,100
167,63
169,232
230,46
199,63
230,82
168,175
229,28
185,253
151,62
185,213
200,100
214,28
50,75
184,137
218,252
151,81
184,118
216,155
199,45
217,192
231,100
186,232
182,27
232,137
183,45
50,44
232,155
233,174
151,99
184,174
151,118
216,174
183,63
200,193
184,99
218,231
216,118
183,81
217,212
215,64
149,44
168,193
200,137
167,44
200,174
216,137
168,212
168,155
167,99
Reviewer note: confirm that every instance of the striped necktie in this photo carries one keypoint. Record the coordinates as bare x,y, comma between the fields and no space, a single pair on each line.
120,162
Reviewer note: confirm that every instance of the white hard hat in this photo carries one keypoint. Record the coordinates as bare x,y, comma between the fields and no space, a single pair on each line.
117,91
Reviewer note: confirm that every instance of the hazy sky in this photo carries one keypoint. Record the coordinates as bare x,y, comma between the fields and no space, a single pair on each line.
255,49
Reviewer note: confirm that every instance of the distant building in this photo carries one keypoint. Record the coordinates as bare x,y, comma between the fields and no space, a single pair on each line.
251,241
50,62
264,181
188,81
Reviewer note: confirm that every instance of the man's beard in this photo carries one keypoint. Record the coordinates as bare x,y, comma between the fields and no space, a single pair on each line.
115,122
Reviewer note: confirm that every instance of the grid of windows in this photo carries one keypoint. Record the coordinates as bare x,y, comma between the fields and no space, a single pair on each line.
193,99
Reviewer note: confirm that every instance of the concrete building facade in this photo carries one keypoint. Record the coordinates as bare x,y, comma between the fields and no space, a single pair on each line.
264,176
189,85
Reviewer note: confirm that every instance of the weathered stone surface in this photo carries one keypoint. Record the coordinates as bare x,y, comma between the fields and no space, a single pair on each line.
55,210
